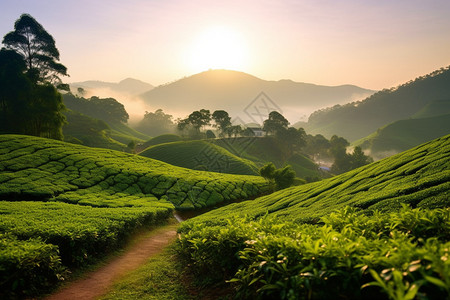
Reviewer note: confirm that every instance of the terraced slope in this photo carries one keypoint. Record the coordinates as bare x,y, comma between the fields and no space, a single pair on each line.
201,155
43,169
419,177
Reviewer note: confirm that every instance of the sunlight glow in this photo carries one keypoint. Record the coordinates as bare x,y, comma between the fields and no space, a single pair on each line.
218,48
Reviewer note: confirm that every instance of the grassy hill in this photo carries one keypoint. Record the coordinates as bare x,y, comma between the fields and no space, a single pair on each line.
419,177
84,130
200,155
263,150
161,139
353,236
108,110
63,205
433,109
42,169
357,120
405,134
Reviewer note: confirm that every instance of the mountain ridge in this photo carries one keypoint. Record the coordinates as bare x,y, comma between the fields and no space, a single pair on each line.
233,91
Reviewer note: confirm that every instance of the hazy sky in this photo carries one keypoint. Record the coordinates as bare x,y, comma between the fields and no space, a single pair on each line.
373,44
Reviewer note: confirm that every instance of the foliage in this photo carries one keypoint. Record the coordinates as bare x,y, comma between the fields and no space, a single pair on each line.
196,120
29,102
90,132
419,177
156,123
269,149
275,123
27,266
222,120
344,162
357,120
44,236
283,177
200,155
400,255
405,134
38,49
42,169
107,109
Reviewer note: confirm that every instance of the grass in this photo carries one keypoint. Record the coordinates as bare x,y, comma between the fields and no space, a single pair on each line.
158,279
200,155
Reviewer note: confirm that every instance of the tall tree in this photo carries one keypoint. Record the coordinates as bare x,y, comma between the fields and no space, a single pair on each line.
15,89
222,120
275,123
38,49
29,101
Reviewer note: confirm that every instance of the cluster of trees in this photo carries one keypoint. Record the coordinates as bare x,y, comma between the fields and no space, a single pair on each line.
282,178
108,109
29,81
156,123
319,148
192,125
291,140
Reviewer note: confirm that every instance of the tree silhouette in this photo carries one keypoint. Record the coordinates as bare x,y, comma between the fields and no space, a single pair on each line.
29,102
38,49
222,120
275,123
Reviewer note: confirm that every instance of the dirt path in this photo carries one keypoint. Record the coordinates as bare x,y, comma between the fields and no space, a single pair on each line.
97,283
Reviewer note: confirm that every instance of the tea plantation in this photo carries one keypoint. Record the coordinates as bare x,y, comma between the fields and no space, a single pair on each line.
63,204
379,232
40,169
200,155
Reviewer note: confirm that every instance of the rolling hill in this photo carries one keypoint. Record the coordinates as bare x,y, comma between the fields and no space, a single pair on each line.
357,120
42,169
378,232
264,150
404,134
200,155
236,92
419,177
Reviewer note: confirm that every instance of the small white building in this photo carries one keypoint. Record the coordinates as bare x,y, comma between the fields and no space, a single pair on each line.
257,131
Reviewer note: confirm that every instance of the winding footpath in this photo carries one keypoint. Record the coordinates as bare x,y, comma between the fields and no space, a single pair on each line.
97,283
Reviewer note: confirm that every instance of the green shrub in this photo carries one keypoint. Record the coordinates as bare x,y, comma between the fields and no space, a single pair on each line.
351,255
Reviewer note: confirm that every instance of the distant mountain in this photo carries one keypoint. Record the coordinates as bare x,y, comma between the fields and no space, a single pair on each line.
357,120
248,97
127,87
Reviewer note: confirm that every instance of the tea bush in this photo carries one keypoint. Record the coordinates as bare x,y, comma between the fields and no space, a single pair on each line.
398,255
43,169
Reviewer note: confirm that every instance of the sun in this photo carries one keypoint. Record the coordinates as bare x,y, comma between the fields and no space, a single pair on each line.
218,48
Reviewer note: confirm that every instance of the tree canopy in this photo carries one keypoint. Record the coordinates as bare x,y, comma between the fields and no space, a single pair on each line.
156,123
29,102
107,109
38,49
275,123
222,120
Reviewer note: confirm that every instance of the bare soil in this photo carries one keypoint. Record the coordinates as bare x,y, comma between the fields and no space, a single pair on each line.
98,282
